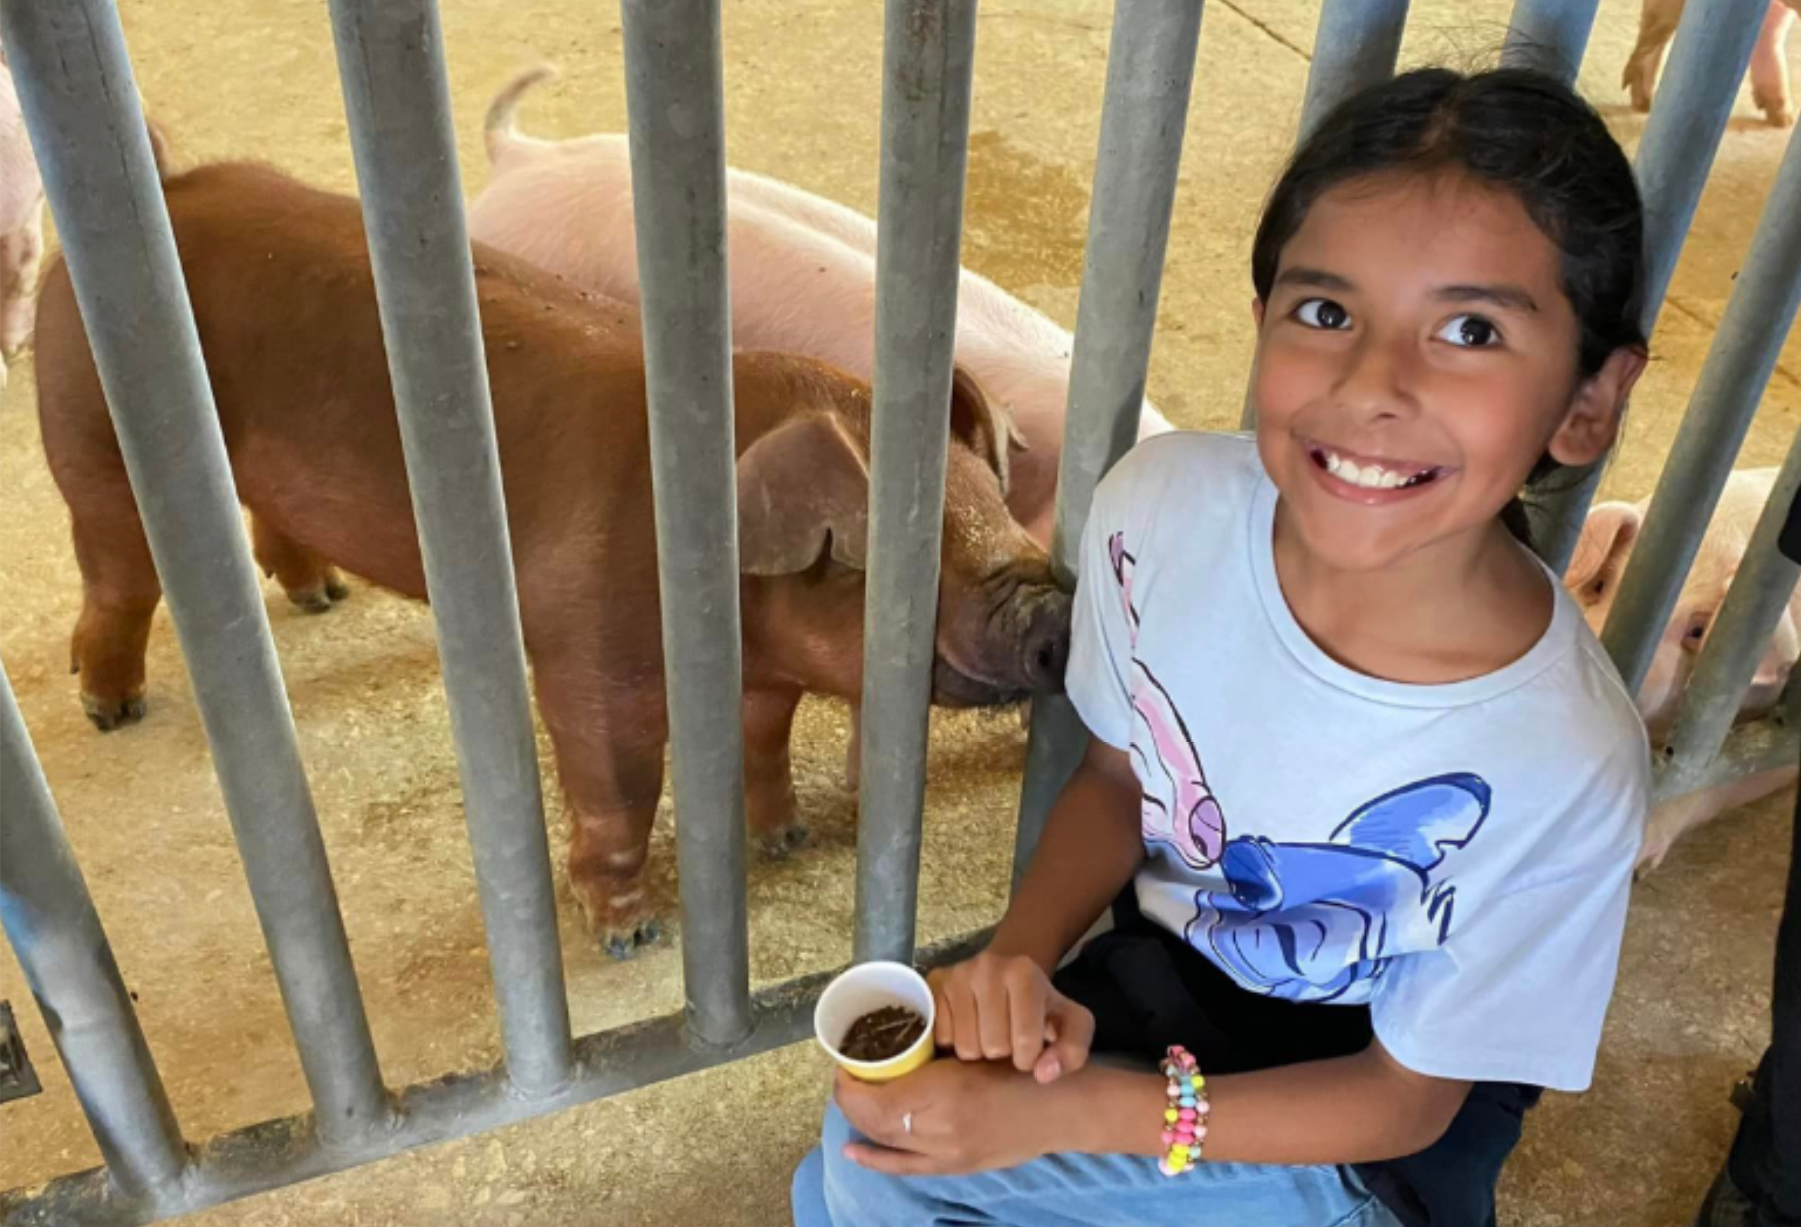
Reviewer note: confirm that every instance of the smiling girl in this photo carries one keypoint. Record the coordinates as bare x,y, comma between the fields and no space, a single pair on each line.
1375,789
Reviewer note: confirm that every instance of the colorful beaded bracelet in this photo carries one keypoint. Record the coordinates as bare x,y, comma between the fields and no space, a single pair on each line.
1184,1121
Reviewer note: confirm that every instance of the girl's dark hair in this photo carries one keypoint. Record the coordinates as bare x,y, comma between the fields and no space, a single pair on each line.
1509,128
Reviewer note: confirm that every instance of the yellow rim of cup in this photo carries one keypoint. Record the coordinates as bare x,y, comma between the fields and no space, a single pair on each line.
870,986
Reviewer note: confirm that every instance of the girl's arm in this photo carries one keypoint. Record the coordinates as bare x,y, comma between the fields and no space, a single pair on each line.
1090,849
1001,1004
955,1117
1355,1109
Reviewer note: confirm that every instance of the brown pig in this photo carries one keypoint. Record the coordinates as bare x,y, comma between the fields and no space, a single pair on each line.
284,299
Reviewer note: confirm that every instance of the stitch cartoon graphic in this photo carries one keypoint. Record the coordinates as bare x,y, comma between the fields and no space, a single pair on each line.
1177,809
1311,922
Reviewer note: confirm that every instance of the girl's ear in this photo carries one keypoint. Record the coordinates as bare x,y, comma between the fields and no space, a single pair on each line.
1257,311
1593,420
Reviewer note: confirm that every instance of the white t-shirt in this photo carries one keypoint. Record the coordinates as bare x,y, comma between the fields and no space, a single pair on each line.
1456,856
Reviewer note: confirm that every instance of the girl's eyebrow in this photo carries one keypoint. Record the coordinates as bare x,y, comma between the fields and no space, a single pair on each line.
1509,297
1314,278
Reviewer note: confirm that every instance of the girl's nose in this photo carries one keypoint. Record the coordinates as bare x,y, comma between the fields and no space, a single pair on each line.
1376,381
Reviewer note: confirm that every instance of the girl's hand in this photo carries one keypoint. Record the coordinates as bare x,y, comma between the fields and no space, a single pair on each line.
951,1118
998,1007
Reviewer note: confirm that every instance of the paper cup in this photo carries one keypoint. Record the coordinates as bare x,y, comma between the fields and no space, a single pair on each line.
867,987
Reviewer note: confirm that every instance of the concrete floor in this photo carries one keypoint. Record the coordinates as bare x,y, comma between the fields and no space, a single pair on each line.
802,89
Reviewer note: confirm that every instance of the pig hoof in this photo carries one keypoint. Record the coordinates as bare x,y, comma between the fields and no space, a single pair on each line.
320,598
626,944
110,714
311,600
779,845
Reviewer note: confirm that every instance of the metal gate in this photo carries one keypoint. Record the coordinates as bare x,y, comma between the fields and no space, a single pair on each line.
83,113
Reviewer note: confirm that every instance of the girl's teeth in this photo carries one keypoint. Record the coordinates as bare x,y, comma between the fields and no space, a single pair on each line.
1369,476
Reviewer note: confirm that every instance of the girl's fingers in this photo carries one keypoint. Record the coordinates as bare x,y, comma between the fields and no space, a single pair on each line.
993,1000
1073,1028
893,1162
966,1012
1026,1001
944,1025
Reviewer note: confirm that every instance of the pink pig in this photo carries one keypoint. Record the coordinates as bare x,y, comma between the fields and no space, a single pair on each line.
1594,574
21,224
1769,65
802,280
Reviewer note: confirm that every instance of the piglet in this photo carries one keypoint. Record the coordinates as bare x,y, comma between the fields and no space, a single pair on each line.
802,280
21,224
1769,63
1594,574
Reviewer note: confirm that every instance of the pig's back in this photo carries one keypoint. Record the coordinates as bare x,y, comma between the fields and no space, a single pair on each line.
284,301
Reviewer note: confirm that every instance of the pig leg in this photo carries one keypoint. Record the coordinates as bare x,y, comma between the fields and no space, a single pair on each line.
1674,818
310,582
1769,67
768,771
610,758
119,593
19,255
1656,27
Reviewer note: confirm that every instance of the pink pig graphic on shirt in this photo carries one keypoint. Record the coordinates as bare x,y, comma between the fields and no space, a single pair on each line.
1177,809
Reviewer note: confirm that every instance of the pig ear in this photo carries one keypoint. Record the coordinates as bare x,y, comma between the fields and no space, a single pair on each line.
1606,535
983,424
802,489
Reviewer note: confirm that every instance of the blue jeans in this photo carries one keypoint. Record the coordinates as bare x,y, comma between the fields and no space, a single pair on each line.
1077,1191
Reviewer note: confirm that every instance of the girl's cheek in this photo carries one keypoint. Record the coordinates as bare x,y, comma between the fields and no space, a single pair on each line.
1286,371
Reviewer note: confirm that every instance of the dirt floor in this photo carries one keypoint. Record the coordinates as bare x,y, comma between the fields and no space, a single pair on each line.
257,79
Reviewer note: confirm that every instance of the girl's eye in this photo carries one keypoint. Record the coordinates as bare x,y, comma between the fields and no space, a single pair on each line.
1470,332
1323,313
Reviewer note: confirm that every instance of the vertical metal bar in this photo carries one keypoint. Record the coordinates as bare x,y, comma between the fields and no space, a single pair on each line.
1549,35
1754,603
56,934
1150,72
1694,101
675,94
81,108
928,55
1744,352
1355,45
397,97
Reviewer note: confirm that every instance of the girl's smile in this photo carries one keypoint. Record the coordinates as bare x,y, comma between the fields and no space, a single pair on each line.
1372,481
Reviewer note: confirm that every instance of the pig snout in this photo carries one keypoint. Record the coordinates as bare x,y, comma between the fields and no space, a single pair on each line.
1045,650
1773,669
1023,647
